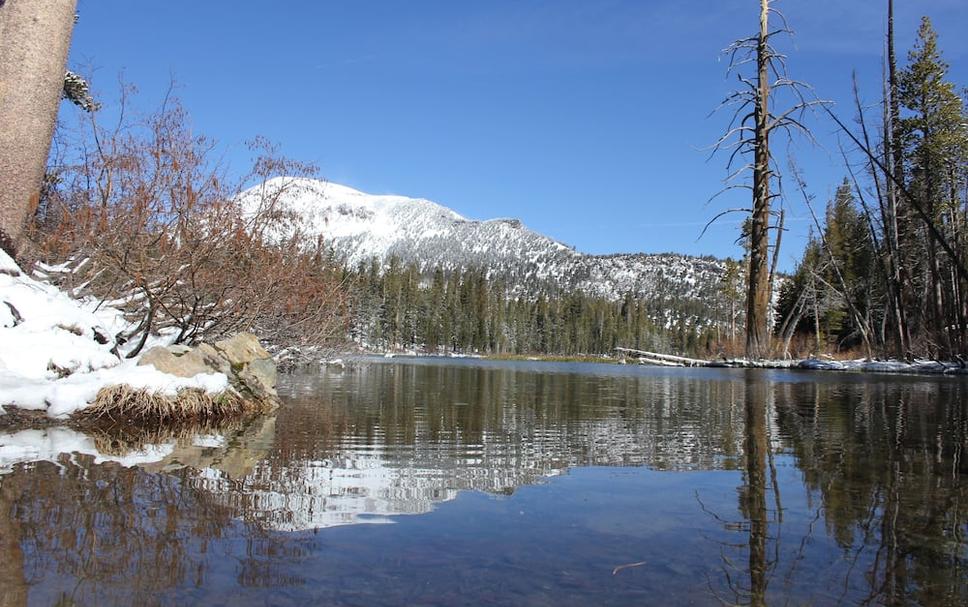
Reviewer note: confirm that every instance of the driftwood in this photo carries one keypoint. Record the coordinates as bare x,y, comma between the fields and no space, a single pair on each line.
658,363
666,360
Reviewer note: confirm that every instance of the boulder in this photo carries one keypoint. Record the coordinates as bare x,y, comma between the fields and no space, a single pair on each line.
264,369
166,361
182,361
179,349
258,379
241,349
207,355
249,368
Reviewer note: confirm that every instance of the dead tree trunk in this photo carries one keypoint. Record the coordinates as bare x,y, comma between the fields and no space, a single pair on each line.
748,135
935,298
894,158
775,261
758,291
34,39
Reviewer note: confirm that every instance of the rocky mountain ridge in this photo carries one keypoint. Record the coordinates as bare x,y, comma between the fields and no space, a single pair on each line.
361,227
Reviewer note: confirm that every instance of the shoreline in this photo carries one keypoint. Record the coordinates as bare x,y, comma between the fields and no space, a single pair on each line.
927,367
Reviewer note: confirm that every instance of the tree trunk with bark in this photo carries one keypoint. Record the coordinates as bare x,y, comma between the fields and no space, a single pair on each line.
34,40
894,159
758,294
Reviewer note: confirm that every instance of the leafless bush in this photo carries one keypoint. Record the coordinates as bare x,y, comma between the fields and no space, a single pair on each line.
144,219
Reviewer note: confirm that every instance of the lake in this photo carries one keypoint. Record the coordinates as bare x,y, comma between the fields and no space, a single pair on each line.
468,482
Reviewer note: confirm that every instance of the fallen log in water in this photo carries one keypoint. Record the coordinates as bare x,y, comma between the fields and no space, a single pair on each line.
659,363
667,360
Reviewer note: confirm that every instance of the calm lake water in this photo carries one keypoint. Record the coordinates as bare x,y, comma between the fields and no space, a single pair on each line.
424,482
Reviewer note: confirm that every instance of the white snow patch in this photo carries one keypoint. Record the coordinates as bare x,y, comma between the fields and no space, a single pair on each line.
884,366
51,358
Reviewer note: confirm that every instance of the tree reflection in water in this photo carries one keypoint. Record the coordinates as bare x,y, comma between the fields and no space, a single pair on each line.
747,584
887,460
754,503
870,471
882,469
13,585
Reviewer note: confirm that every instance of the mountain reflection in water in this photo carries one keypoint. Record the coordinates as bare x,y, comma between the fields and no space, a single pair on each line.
701,486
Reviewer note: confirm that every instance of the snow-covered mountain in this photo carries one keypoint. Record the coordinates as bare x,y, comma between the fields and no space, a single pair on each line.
362,226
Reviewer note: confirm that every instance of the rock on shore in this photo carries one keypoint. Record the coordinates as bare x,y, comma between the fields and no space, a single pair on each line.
250,369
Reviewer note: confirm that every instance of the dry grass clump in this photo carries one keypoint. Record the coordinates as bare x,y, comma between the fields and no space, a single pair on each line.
123,403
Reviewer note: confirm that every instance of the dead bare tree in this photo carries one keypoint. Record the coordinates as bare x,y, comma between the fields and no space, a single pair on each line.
752,124
932,228
893,158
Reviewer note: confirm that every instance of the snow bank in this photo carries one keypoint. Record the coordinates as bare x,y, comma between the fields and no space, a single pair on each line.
56,352
64,396
884,366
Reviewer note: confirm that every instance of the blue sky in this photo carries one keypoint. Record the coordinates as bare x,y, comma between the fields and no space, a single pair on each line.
587,120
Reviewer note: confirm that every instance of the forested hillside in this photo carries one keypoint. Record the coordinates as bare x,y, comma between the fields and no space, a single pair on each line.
360,226
469,311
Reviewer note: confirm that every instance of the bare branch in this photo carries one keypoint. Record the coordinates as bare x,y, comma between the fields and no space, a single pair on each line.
721,214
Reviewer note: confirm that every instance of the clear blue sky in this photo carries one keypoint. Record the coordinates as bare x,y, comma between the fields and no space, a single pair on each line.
584,119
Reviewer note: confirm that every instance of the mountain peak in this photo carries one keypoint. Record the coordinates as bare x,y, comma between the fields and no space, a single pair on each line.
361,226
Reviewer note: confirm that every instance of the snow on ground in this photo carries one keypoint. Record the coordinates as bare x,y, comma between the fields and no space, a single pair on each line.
860,365
55,351
884,366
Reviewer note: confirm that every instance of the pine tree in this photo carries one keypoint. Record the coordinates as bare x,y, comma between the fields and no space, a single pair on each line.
934,137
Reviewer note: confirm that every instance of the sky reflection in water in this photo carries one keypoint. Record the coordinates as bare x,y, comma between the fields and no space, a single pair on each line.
509,483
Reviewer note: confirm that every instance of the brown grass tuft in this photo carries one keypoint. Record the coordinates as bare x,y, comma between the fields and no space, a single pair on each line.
124,404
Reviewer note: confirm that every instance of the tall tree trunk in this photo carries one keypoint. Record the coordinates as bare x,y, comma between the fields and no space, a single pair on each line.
895,307
34,39
935,299
936,296
776,258
959,341
789,326
816,314
732,322
758,293
894,158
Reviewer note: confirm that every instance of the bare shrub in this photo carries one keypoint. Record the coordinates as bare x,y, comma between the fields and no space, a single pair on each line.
144,219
